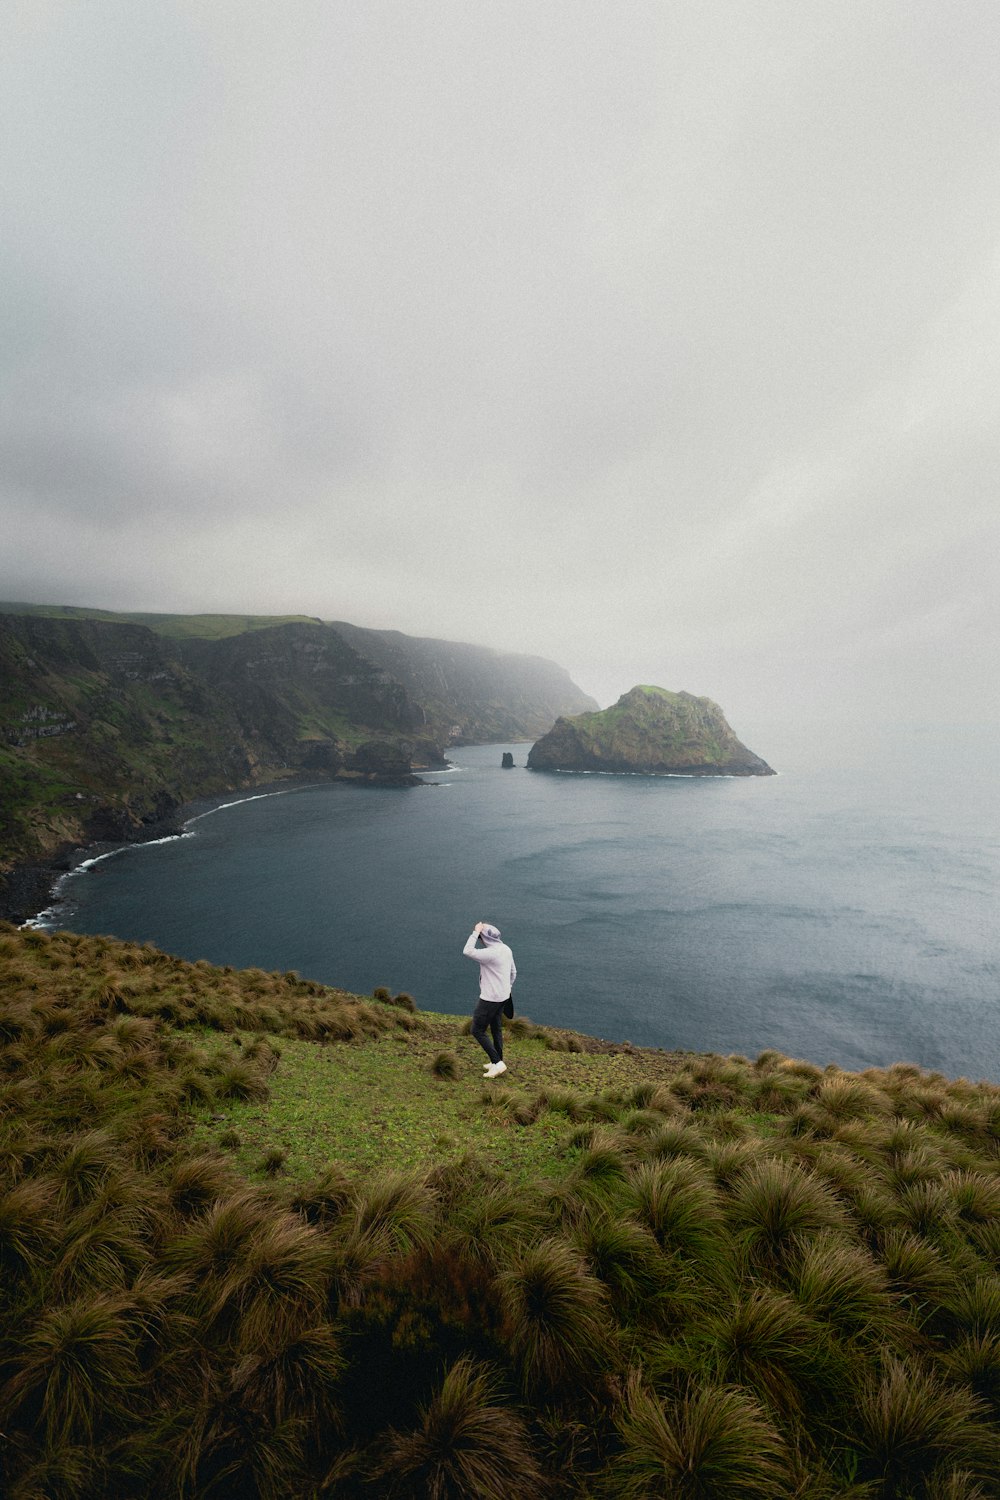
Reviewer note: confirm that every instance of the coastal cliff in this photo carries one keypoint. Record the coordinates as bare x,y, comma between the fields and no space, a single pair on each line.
108,724
470,694
648,732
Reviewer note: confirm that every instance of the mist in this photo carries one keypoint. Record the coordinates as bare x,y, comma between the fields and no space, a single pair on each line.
659,339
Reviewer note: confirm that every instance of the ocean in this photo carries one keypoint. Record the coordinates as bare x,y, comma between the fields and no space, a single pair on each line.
843,911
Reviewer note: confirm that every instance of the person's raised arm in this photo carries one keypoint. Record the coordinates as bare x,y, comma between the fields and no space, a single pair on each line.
470,950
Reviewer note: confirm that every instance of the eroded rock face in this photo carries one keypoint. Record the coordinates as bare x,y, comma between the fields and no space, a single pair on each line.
381,762
648,732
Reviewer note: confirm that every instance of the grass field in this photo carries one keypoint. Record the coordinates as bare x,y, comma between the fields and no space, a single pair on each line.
409,1100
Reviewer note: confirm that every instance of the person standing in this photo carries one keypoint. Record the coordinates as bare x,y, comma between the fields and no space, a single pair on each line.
497,972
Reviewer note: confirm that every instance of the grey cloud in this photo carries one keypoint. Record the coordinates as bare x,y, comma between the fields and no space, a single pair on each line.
658,338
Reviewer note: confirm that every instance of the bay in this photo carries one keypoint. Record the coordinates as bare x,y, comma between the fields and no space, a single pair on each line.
844,910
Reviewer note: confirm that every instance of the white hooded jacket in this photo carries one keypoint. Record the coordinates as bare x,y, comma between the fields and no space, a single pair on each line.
497,970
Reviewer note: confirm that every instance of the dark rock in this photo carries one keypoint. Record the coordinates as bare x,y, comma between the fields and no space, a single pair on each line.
382,763
25,891
321,755
112,824
507,760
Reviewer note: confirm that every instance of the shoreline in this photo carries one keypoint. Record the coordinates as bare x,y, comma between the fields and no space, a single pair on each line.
30,889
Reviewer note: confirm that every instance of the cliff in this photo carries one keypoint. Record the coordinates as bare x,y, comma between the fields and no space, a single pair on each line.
107,725
649,732
470,694
299,688
103,730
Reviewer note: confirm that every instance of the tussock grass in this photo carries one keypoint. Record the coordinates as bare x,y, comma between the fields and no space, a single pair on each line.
258,1237
445,1065
840,1285
466,1442
714,1443
765,1342
678,1202
554,1317
776,1204
624,1256
916,1428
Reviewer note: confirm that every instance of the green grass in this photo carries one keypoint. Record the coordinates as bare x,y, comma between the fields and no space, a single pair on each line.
384,1106
174,627
652,723
312,726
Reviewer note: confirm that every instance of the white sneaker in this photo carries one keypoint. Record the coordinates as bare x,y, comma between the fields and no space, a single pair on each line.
495,1069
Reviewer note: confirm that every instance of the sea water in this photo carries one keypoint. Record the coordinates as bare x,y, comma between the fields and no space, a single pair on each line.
844,910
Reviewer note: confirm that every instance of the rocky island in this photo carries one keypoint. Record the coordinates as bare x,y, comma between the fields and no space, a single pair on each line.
648,732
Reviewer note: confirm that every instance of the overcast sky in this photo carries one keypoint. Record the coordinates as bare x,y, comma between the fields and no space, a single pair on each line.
658,338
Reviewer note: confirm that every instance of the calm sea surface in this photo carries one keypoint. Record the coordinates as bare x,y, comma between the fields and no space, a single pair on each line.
844,911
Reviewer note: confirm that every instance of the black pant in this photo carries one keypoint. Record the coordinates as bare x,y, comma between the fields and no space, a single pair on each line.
488,1015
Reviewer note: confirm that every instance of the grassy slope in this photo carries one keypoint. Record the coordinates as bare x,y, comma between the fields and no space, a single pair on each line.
174,627
695,1275
131,743
396,1104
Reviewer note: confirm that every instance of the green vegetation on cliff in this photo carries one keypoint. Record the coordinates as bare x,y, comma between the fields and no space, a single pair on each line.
174,627
108,723
649,732
228,1270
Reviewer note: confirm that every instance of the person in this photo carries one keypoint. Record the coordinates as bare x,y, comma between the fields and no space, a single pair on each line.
497,972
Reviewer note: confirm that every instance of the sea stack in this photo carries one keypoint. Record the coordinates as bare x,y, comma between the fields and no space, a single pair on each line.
507,761
648,732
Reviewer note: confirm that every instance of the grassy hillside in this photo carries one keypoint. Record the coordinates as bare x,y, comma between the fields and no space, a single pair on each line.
469,694
101,729
173,627
263,1238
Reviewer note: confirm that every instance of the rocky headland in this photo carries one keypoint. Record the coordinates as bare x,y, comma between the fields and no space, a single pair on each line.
648,732
109,724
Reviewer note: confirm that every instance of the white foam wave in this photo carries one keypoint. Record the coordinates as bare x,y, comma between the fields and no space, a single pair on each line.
239,801
49,917
663,775
42,919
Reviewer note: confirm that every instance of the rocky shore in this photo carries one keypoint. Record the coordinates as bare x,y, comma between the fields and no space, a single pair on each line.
26,889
